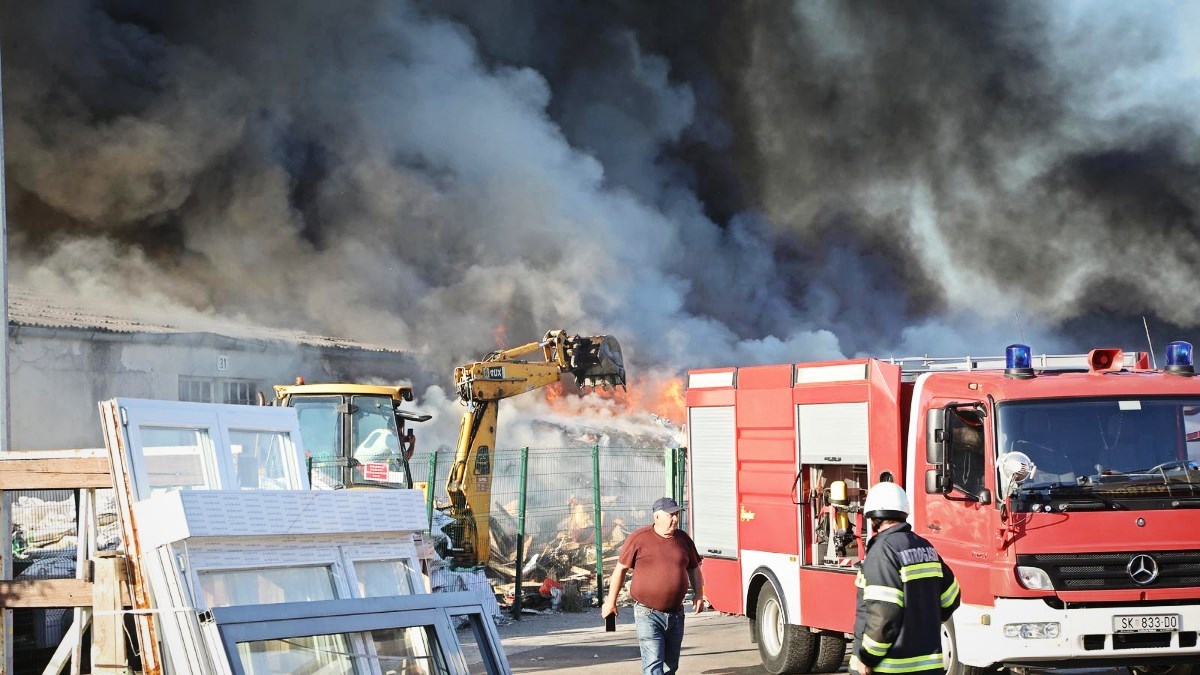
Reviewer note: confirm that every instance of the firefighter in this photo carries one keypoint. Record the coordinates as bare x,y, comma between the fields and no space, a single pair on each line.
905,592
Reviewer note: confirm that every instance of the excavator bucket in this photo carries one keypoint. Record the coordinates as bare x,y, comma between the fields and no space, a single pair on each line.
597,361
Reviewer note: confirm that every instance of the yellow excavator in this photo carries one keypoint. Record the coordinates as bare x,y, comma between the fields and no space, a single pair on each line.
593,361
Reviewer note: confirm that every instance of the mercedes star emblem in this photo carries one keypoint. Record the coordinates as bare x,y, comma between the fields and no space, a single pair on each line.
1142,569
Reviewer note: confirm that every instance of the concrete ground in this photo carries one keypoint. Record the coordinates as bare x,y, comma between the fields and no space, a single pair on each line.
713,643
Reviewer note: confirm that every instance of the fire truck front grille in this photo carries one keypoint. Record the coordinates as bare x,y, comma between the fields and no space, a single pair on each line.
1187,640
1142,641
1114,571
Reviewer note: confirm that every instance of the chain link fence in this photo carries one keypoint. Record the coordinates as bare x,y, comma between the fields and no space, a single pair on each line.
558,516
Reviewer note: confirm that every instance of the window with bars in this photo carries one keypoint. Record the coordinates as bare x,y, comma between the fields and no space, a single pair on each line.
217,390
236,391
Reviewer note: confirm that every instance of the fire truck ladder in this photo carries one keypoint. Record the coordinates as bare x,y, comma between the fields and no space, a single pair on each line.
912,366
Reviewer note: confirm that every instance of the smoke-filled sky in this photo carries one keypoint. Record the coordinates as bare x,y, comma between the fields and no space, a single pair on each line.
713,183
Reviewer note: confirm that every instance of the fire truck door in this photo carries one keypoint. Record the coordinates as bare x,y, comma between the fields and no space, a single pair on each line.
957,520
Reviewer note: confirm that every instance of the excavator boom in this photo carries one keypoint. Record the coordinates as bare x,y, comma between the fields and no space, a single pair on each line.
593,361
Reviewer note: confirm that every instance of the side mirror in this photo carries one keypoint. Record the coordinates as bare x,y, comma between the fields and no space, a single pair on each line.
933,481
409,444
935,436
985,496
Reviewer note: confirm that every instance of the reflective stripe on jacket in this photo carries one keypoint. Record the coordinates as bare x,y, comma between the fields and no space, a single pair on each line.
905,592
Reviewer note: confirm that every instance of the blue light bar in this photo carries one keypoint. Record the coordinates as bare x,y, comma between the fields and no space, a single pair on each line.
1179,358
1018,356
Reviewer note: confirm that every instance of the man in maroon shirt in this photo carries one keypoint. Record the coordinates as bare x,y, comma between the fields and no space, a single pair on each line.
664,560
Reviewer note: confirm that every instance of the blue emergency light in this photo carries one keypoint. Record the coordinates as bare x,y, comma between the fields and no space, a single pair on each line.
1179,358
1018,362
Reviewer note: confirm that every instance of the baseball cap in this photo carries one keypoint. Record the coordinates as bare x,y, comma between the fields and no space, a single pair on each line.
666,504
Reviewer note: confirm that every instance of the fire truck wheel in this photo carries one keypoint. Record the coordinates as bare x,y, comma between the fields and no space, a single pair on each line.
950,656
784,647
1178,669
830,654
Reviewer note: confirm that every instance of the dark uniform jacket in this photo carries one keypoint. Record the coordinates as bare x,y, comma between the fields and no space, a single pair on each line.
905,592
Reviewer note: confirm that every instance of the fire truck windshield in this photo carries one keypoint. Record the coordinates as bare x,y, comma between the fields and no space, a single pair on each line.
1102,447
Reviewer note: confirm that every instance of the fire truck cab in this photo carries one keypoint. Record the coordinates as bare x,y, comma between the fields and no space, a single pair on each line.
1062,490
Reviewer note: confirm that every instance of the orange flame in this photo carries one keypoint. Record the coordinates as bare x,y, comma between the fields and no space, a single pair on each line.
500,335
657,394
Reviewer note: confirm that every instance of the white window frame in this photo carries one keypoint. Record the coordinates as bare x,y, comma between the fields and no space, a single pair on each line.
337,576
411,567
215,420
225,627
182,533
174,569
206,423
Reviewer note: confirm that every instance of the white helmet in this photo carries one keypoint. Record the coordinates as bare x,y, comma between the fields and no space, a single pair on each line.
886,501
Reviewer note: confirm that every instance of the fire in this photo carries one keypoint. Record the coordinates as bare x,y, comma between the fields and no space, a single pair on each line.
656,393
500,335
555,395
670,401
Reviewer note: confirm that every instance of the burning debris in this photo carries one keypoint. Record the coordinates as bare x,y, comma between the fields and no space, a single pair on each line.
563,558
584,433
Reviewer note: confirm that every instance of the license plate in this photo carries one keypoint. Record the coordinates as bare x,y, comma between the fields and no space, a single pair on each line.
1146,623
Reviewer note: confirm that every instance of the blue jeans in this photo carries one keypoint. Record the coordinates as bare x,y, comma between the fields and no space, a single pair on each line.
660,635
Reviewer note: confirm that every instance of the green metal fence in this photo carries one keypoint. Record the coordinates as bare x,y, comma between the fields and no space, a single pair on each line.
563,512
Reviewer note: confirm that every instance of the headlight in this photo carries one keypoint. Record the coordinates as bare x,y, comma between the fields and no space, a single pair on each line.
1032,631
1034,578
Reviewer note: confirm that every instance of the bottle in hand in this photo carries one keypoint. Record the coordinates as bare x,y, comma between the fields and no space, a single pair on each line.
610,622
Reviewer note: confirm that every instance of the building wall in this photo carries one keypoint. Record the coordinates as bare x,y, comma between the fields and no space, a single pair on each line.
57,376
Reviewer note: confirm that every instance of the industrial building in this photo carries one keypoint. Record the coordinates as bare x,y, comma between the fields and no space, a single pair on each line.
63,358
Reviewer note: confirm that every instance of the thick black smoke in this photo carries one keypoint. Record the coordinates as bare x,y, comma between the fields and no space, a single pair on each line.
1016,159
714,183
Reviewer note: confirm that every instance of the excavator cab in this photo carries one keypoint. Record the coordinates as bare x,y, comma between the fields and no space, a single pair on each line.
354,435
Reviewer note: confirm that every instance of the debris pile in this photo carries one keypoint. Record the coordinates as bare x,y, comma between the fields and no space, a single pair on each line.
560,563
48,524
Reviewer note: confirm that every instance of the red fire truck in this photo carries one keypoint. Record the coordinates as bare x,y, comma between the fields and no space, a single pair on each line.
1062,490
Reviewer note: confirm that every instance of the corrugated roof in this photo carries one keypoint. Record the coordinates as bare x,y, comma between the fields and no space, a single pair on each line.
29,307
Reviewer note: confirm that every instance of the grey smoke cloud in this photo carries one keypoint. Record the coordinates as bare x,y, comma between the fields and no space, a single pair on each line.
733,184
1021,158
